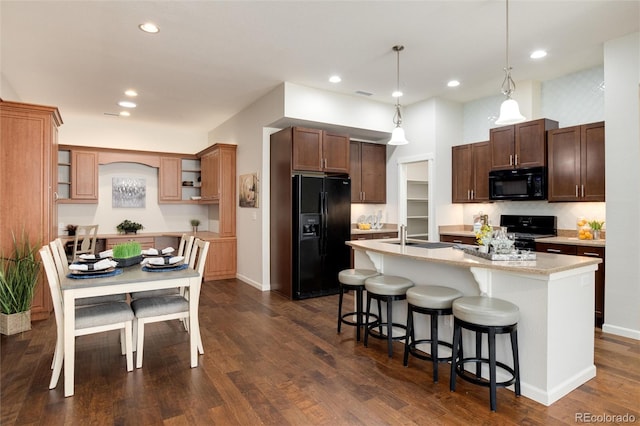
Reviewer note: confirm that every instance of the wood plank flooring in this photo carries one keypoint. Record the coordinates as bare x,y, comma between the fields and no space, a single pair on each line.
272,361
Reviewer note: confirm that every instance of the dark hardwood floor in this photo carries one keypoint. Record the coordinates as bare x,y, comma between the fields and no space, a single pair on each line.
272,361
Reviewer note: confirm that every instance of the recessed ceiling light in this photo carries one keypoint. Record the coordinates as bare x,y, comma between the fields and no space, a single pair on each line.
538,54
127,104
149,27
125,113
453,83
131,93
396,94
335,79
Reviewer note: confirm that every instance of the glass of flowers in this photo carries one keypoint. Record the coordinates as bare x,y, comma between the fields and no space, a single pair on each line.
483,237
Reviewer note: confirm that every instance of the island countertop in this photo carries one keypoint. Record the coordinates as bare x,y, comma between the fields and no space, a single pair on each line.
545,263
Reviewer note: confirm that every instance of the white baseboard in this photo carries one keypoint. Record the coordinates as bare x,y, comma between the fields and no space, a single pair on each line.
621,331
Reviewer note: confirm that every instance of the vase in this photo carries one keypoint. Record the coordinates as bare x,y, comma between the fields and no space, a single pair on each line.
15,323
483,249
596,234
195,229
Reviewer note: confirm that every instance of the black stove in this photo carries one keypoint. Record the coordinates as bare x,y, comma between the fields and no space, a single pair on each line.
527,228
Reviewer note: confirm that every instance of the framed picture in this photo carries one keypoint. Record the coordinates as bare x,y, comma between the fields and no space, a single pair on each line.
249,190
128,192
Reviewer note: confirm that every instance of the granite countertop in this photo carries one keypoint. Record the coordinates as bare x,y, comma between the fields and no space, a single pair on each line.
545,263
562,238
387,227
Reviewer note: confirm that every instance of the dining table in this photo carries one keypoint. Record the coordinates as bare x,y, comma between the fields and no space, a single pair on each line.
132,279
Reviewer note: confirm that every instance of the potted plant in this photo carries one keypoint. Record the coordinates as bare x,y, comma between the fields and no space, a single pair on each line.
71,230
128,227
127,254
596,227
194,224
18,279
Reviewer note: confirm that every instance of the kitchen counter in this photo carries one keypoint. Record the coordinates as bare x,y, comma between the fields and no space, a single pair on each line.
386,228
462,231
555,341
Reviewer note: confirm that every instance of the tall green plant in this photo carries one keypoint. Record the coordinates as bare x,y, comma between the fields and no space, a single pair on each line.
19,276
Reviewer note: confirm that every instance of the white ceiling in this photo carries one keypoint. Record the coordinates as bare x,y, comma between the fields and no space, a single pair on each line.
213,58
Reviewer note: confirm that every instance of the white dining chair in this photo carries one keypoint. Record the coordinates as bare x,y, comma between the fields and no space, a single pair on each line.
88,319
164,308
184,249
60,261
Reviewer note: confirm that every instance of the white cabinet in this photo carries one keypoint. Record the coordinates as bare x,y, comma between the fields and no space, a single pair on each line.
417,200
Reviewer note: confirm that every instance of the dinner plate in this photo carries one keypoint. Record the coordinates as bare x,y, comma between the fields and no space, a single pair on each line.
173,265
158,255
81,260
101,271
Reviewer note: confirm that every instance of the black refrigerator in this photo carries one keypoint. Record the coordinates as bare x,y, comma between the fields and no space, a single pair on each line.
321,225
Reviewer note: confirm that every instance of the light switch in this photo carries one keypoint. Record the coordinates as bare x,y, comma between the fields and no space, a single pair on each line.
254,215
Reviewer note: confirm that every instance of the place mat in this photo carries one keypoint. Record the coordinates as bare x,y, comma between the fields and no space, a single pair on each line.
164,268
95,274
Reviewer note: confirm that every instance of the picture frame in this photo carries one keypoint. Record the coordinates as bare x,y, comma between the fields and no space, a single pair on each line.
248,193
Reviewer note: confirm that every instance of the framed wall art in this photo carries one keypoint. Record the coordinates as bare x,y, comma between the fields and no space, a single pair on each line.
249,190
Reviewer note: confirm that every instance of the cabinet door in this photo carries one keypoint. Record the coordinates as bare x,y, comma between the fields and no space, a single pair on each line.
84,175
221,259
169,175
457,239
373,158
335,152
592,162
461,173
564,164
227,191
355,171
599,280
530,144
502,140
556,248
481,157
210,165
307,149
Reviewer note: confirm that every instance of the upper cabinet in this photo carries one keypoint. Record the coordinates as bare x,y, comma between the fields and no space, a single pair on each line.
470,171
178,180
368,172
576,163
319,150
521,145
77,175
218,172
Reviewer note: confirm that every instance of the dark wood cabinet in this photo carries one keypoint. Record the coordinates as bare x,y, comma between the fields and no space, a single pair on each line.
589,251
521,145
368,172
372,236
470,172
576,163
29,176
457,239
319,150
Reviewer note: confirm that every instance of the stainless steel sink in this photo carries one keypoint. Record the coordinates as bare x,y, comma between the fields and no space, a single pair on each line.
425,244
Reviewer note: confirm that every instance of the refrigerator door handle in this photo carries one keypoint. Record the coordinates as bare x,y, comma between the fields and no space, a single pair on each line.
325,211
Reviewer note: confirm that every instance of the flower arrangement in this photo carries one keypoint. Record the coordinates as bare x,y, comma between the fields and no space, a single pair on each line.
596,225
483,236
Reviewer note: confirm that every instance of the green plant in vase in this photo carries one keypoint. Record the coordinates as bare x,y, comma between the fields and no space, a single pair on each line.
194,224
127,250
129,227
596,227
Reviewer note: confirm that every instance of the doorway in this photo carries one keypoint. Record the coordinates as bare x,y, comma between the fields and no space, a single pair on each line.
415,209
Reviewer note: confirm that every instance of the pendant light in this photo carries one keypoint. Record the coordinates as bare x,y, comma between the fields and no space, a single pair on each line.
509,110
397,136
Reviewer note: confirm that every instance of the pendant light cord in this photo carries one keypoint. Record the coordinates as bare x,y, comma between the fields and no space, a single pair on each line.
508,85
397,118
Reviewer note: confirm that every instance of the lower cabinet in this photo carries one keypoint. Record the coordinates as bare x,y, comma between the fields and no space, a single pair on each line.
588,251
222,260
145,242
457,239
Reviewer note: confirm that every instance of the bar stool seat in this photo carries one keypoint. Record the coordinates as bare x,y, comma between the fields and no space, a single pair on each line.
385,288
353,279
491,316
434,301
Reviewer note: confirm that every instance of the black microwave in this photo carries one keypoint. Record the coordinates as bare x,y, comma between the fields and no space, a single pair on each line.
518,184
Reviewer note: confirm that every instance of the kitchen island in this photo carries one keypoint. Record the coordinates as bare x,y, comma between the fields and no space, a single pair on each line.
555,294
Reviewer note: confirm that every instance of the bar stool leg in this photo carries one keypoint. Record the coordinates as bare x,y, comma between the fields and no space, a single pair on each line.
454,355
358,312
409,338
340,308
434,345
516,361
492,367
478,354
389,327
366,330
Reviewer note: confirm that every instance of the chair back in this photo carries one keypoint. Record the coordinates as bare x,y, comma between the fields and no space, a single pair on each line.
85,242
59,257
198,257
186,244
54,283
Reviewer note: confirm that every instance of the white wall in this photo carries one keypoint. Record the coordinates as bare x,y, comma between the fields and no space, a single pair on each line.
622,113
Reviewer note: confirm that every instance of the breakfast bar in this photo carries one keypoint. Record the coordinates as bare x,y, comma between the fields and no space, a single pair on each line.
555,295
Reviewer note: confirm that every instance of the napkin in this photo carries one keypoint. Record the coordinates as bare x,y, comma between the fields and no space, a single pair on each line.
98,266
162,260
101,255
155,252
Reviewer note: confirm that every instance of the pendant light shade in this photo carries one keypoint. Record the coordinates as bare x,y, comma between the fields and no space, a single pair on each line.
509,110
397,136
